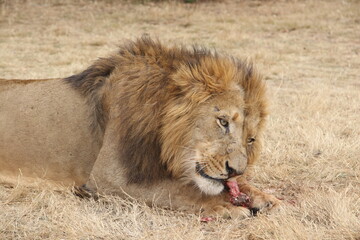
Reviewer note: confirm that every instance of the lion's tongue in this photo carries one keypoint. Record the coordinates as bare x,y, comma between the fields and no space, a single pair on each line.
237,198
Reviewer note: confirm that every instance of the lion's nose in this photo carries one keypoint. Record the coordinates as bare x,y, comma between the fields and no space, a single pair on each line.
231,171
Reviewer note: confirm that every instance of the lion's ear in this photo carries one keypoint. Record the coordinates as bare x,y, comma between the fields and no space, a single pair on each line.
205,78
251,81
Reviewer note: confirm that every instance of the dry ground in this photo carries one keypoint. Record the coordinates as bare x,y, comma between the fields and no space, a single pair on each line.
308,52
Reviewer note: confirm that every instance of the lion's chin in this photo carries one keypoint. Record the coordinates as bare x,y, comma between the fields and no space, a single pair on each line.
208,186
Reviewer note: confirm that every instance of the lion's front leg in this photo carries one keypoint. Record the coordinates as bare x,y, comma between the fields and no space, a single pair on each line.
259,201
171,194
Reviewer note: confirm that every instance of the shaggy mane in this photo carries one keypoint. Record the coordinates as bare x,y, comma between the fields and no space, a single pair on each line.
147,86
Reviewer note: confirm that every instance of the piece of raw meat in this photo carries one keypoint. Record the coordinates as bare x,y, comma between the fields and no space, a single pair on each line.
237,198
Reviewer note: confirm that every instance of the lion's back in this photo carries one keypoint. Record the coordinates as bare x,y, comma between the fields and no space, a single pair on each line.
44,131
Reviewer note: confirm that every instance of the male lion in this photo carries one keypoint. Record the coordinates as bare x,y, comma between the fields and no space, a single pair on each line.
167,126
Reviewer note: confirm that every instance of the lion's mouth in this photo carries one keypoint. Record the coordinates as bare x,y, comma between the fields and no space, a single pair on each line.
200,170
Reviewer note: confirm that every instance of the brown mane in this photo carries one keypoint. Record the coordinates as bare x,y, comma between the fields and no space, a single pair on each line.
151,91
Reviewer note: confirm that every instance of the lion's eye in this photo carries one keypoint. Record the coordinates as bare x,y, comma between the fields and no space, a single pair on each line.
224,123
250,140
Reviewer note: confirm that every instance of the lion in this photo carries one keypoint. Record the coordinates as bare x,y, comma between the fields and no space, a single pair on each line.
164,125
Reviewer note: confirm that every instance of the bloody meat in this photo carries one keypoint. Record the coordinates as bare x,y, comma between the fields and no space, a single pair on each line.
237,198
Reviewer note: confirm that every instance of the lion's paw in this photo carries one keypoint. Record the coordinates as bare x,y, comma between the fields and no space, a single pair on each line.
263,203
227,211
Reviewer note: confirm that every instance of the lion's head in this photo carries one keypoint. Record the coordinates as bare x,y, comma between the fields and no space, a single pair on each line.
212,126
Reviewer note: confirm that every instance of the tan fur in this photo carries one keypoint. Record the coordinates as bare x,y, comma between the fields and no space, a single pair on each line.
156,123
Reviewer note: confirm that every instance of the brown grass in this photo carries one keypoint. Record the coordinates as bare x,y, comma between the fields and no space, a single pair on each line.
309,53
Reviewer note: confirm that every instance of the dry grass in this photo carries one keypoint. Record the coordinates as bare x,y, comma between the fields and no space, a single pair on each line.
309,53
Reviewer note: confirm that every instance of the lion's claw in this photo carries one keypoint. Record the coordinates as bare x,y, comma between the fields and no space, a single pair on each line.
254,211
85,192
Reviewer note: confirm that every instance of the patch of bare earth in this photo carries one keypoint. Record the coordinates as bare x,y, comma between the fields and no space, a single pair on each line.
308,52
